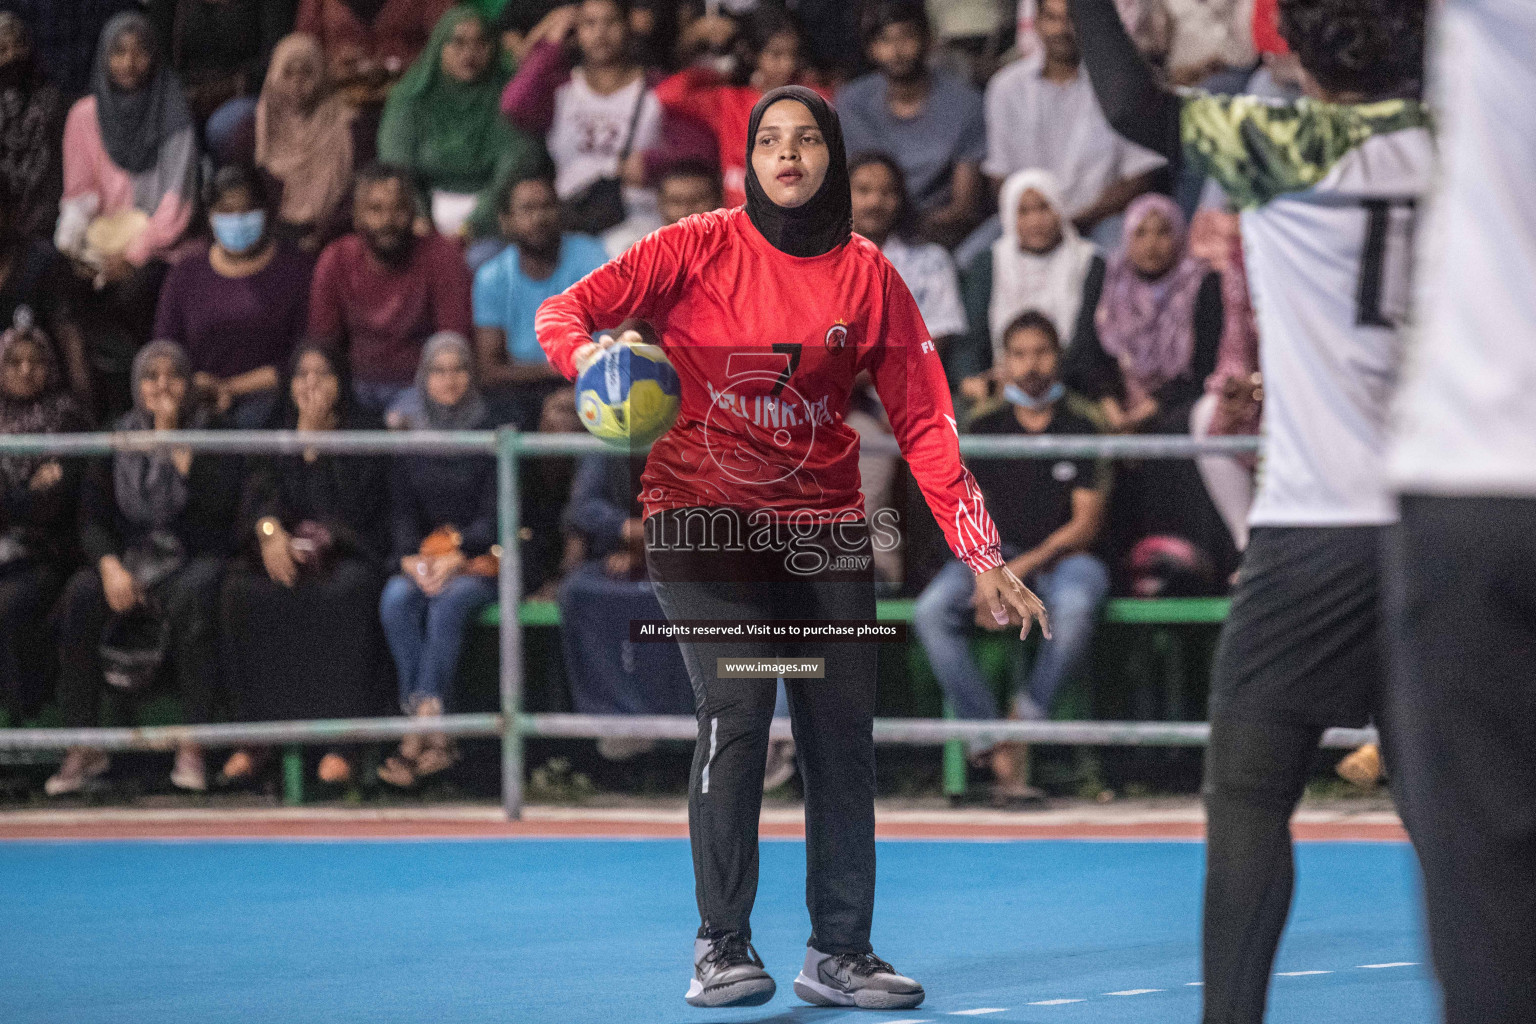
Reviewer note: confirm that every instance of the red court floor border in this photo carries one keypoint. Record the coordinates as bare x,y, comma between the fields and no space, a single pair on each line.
215,827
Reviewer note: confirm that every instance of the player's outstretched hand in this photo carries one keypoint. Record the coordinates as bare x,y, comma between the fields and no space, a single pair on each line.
1000,594
592,349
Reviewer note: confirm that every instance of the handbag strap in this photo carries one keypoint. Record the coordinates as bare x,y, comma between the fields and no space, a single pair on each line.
634,125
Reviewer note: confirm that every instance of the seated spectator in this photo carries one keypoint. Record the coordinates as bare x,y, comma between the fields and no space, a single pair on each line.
882,214
239,307
130,171
596,119
368,44
1042,112
929,120
1159,325
304,141
444,514
1039,263
443,124
608,673
298,605
219,50
37,515
155,532
33,276
1048,515
66,33
31,132
769,52
539,262
380,292
1211,44
1159,328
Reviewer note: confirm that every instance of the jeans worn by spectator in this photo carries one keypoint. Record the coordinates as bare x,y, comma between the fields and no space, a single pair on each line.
376,396
426,634
1073,591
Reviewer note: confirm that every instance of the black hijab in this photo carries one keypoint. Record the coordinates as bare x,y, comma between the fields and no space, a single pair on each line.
823,222
134,124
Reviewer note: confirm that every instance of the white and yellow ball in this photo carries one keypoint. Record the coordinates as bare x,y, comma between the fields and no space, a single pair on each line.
628,395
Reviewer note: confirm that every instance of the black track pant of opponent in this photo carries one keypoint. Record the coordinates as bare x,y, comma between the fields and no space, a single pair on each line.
832,719
1461,601
1301,650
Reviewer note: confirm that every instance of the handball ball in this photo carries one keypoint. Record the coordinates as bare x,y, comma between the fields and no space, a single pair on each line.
628,395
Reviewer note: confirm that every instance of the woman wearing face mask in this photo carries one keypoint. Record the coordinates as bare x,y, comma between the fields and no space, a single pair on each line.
155,527
238,309
300,633
769,52
1039,263
768,313
37,514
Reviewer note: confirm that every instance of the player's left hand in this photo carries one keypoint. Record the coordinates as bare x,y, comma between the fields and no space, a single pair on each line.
1000,593
592,349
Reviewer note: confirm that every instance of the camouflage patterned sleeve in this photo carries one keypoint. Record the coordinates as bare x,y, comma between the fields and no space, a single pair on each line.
1259,149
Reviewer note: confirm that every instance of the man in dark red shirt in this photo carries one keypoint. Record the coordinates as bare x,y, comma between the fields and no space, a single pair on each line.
380,292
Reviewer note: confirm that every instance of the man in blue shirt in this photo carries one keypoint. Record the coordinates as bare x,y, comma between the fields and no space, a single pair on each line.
538,262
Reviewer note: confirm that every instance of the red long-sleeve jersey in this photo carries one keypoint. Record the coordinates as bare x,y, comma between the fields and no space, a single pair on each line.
766,348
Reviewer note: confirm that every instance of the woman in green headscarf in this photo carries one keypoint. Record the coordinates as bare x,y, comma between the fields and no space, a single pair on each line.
443,123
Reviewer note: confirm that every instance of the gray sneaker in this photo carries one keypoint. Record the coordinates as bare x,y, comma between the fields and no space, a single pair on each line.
855,979
728,972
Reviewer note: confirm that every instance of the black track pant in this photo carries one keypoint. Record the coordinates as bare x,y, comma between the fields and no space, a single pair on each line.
1302,647
832,720
1461,598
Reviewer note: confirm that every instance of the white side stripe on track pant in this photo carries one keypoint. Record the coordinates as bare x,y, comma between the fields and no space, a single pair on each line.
714,728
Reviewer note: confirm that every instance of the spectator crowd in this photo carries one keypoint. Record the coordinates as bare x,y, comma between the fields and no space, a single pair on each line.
343,214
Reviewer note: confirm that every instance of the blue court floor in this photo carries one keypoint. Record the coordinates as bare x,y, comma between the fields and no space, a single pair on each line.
597,931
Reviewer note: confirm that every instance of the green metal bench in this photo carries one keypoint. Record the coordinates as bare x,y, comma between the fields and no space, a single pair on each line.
1124,611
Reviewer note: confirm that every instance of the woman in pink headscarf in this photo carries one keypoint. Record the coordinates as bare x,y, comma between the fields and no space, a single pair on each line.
1160,322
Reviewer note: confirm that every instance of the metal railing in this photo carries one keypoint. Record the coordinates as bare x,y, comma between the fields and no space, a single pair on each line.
511,725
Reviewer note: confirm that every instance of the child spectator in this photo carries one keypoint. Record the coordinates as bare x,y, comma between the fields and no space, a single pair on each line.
1049,515
31,130
443,124
155,529
685,187
34,276
130,176
304,141
444,514
596,119
239,306
380,292
298,604
928,119
37,515
1040,263
539,262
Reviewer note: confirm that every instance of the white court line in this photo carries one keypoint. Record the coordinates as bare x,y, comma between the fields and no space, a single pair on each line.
1054,1002
1298,974
923,1020
978,1012
1194,984
1134,992
1377,967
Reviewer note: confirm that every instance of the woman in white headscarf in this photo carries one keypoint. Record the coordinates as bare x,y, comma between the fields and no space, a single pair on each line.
1040,263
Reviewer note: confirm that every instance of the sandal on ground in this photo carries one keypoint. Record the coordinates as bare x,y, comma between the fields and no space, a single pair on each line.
80,769
436,758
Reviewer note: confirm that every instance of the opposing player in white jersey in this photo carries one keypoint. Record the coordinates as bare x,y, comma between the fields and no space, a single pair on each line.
1328,187
1461,571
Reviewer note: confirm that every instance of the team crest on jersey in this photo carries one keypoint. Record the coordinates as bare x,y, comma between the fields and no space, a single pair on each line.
837,337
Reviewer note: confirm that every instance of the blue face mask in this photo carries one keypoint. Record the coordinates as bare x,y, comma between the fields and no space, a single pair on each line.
239,232
1018,396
